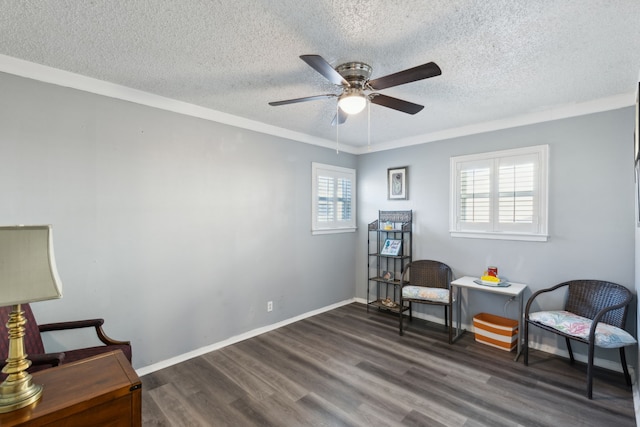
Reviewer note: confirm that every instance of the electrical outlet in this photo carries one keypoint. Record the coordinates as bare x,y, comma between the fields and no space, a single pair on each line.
270,306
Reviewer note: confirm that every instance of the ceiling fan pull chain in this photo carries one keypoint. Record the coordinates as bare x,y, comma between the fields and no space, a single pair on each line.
337,128
368,126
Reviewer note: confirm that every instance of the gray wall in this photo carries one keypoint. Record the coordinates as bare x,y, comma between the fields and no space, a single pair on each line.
591,208
176,230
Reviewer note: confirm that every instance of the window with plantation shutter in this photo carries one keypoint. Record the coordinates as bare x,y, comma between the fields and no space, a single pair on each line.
333,199
475,192
500,195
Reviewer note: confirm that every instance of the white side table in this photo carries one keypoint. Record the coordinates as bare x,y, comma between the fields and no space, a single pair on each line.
516,290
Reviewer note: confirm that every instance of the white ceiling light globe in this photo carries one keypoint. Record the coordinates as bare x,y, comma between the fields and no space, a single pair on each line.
352,103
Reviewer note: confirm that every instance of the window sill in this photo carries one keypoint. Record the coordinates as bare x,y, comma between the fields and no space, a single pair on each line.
500,236
332,231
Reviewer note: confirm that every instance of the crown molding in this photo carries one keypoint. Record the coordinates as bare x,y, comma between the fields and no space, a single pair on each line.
68,79
46,74
559,112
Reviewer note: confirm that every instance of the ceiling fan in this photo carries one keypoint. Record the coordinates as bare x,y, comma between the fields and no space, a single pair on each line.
353,78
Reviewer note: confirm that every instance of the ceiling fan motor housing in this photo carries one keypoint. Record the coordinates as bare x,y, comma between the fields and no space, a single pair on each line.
356,73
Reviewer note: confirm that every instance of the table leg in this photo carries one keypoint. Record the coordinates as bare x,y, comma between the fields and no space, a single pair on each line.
520,323
459,330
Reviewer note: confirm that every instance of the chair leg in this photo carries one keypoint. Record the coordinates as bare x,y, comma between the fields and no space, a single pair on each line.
410,312
570,350
625,368
450,326
590,372
525,343
445,316
400,315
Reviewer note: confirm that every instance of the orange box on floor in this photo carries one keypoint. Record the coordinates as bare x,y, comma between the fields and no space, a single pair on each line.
496,331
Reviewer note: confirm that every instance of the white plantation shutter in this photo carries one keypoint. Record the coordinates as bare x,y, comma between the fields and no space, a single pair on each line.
500,195
344,199
325,185
517,190
333,206
475,194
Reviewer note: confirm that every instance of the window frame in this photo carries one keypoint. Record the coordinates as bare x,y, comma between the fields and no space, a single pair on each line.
493,229
334,226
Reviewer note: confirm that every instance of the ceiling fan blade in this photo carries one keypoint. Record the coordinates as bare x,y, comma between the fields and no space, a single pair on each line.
305,99
339,118
395,103
319,64
420,72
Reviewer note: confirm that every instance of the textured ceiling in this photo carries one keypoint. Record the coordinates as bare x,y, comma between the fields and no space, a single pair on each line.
499,59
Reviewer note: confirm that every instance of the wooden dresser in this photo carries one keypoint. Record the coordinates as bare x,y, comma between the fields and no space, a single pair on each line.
102,390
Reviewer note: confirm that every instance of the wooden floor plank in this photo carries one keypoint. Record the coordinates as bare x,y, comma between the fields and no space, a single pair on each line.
243,378
257,365
350,367
176,407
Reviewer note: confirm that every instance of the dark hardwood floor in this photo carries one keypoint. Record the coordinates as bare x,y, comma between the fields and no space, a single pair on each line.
347,367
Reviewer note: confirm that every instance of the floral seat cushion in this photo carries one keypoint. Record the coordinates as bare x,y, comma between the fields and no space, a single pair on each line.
427,294
607,336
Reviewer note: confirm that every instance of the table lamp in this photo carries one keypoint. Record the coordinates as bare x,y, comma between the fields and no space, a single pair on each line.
27,274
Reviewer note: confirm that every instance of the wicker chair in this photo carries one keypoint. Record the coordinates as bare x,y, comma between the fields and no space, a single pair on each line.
594,313
427,282
34,346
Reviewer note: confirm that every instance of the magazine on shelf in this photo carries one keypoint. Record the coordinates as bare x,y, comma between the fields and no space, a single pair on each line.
391,247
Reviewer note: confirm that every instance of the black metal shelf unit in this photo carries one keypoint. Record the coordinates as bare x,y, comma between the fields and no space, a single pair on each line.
384,271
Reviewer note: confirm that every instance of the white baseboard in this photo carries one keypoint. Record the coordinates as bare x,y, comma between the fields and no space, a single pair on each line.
235,339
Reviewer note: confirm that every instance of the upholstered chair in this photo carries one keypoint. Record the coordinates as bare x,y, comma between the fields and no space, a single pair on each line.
594,313
427,282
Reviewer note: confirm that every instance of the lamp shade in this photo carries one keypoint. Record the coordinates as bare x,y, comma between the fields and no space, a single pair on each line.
27,265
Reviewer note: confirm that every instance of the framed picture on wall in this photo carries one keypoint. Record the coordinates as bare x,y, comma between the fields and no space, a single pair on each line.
397,183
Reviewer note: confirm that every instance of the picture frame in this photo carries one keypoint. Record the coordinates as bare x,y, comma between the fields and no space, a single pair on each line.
391,247
397,183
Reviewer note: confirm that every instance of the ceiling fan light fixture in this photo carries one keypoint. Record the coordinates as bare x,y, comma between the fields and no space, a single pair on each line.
352,102
354,80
